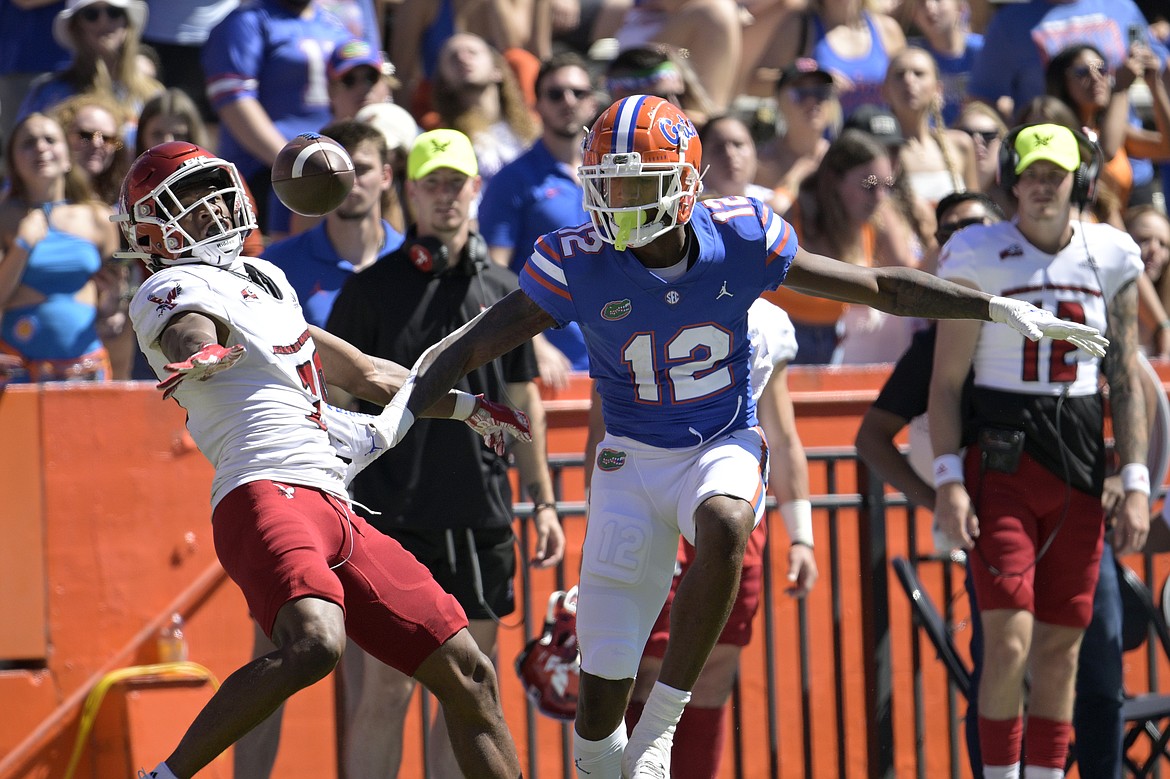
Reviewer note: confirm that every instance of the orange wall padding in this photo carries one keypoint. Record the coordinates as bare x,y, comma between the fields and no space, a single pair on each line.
106,522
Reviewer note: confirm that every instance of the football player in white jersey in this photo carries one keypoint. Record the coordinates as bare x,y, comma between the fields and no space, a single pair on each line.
230,338
1027,498
661,285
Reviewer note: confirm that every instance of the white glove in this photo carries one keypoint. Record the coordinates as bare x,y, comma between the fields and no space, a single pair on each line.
353,436
1036,323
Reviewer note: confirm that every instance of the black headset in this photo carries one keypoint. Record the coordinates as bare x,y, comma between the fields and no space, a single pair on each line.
1084,190
430,255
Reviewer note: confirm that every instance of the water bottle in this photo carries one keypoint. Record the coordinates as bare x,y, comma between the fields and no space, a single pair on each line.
172,643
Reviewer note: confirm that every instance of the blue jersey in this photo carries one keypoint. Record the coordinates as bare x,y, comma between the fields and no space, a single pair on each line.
315,270
671,359
266,52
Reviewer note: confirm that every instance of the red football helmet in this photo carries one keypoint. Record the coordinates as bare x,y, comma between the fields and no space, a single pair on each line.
149,209
640,170
550,665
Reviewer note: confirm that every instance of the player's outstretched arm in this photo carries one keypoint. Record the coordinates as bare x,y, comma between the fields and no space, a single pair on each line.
193,342
909,292
499,329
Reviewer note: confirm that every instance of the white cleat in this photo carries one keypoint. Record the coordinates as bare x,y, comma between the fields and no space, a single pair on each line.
651,762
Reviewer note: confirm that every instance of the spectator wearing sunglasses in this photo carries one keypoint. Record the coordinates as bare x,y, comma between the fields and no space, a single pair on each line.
103,36
807,99
1081,78
359,75
539,192
986,129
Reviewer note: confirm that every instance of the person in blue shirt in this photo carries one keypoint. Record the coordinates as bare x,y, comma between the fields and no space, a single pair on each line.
351,237
952,44
661,283
266,78
538,192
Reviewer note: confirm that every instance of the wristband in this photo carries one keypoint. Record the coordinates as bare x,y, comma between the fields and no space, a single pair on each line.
464,406
1135,477
948,468
797,515
23,244
545,505
1164,324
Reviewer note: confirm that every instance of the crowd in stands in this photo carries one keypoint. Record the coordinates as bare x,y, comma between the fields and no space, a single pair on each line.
928,87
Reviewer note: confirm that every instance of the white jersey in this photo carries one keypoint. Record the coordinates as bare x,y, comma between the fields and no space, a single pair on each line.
261,419
1077,284
773,341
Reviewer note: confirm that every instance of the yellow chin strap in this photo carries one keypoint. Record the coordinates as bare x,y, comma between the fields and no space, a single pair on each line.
626,222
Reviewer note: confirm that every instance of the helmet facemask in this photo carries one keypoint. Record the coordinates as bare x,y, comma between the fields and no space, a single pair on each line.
657,190
152,223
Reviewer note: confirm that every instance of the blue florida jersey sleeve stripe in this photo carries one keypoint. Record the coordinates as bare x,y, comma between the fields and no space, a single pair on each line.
671,359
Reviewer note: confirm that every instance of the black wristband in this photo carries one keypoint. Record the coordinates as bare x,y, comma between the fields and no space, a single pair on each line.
541,506
800,543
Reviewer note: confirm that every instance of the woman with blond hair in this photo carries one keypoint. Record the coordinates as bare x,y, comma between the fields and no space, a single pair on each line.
59,293
935,161
104,37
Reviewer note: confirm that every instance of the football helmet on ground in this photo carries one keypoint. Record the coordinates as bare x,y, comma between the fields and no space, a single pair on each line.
150,209
550,664
640,170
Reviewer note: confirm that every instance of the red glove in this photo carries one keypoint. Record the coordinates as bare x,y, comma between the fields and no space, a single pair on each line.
201,366
494,421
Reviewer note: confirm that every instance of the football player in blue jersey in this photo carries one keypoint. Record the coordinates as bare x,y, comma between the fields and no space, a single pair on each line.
660,284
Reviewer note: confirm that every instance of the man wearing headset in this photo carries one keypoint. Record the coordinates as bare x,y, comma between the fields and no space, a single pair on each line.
442,494
1027,498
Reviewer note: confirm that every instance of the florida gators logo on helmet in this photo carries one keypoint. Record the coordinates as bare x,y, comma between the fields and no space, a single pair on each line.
640,170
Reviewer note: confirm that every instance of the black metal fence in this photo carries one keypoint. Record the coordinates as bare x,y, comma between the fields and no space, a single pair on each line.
882,521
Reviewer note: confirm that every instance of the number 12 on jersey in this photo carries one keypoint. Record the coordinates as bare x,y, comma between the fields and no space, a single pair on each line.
1060,369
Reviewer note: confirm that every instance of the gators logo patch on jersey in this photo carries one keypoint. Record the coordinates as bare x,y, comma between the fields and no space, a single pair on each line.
616,309
610,459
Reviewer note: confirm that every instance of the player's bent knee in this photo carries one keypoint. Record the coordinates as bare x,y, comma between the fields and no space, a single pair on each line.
314,656
460,676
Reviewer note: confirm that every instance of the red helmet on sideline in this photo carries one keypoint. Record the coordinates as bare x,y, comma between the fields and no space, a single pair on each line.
550,664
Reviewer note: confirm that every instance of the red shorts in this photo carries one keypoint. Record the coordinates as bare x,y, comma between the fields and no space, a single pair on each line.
282,542
1018,513
738,630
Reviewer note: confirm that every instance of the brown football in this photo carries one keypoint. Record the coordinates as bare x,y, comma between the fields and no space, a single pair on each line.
312,174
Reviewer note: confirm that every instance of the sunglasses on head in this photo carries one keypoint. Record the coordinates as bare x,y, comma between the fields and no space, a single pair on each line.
94,12
559,94
820,92
363,76
987,136
98,138
947,229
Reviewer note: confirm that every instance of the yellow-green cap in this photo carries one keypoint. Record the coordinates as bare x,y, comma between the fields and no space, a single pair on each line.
441,149
1051,142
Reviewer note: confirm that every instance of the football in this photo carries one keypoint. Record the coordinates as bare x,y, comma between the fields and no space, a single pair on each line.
312,174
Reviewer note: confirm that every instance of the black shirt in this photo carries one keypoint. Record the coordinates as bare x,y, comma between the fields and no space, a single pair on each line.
441,475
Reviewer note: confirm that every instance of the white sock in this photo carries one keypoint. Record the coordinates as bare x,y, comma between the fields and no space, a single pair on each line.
599,759
661,714
1043,772
1003,771
163,772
